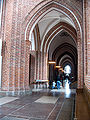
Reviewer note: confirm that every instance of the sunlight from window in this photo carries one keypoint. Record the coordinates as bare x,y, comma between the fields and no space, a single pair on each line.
67,69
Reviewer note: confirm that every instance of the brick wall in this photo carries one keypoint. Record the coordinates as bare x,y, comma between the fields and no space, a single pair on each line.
87,43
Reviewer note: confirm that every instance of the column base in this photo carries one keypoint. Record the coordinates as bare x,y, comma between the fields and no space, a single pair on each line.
79,90
16,93
87,95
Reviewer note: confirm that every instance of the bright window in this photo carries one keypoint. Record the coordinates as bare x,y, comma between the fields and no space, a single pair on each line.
67,69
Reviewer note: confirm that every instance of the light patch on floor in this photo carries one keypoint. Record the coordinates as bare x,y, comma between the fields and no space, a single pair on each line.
12,118
63,90
5,100
58,90
36,90
47,99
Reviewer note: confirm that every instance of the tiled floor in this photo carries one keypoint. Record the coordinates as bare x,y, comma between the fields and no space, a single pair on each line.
40,105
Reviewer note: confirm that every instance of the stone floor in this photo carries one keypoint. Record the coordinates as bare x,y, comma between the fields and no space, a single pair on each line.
40,105
82,109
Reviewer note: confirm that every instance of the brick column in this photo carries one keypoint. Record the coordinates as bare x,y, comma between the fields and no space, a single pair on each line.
80,63
87,43
36,65
44,58
45,65
51,75
39,59
7,77
32,66
27,59
41,65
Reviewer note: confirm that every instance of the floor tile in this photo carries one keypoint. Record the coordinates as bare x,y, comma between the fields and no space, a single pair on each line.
36,110
47,99
7,99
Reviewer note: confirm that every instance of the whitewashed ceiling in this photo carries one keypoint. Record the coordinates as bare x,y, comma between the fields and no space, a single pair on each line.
50,20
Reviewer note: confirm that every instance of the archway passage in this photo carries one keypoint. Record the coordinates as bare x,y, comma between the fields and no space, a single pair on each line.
63,53
54,36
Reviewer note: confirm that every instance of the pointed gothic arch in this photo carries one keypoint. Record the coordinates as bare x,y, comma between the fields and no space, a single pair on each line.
41,10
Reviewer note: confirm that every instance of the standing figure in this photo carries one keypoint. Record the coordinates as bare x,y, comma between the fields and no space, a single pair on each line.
58,82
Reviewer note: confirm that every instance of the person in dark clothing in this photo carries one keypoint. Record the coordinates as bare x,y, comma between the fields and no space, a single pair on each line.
61,79
58,82
58,78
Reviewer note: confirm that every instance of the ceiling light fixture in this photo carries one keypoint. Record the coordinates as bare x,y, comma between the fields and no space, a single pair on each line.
51,62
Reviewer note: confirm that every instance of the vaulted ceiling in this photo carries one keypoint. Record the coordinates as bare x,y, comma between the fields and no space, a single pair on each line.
51,19
62,43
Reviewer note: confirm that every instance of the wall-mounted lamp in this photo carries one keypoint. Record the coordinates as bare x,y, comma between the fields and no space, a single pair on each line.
51,62
61,69
58,67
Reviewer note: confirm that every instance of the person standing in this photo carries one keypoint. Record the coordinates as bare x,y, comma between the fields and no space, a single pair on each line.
58,82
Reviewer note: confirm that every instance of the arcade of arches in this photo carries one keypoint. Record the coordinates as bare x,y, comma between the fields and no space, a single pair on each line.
33,32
